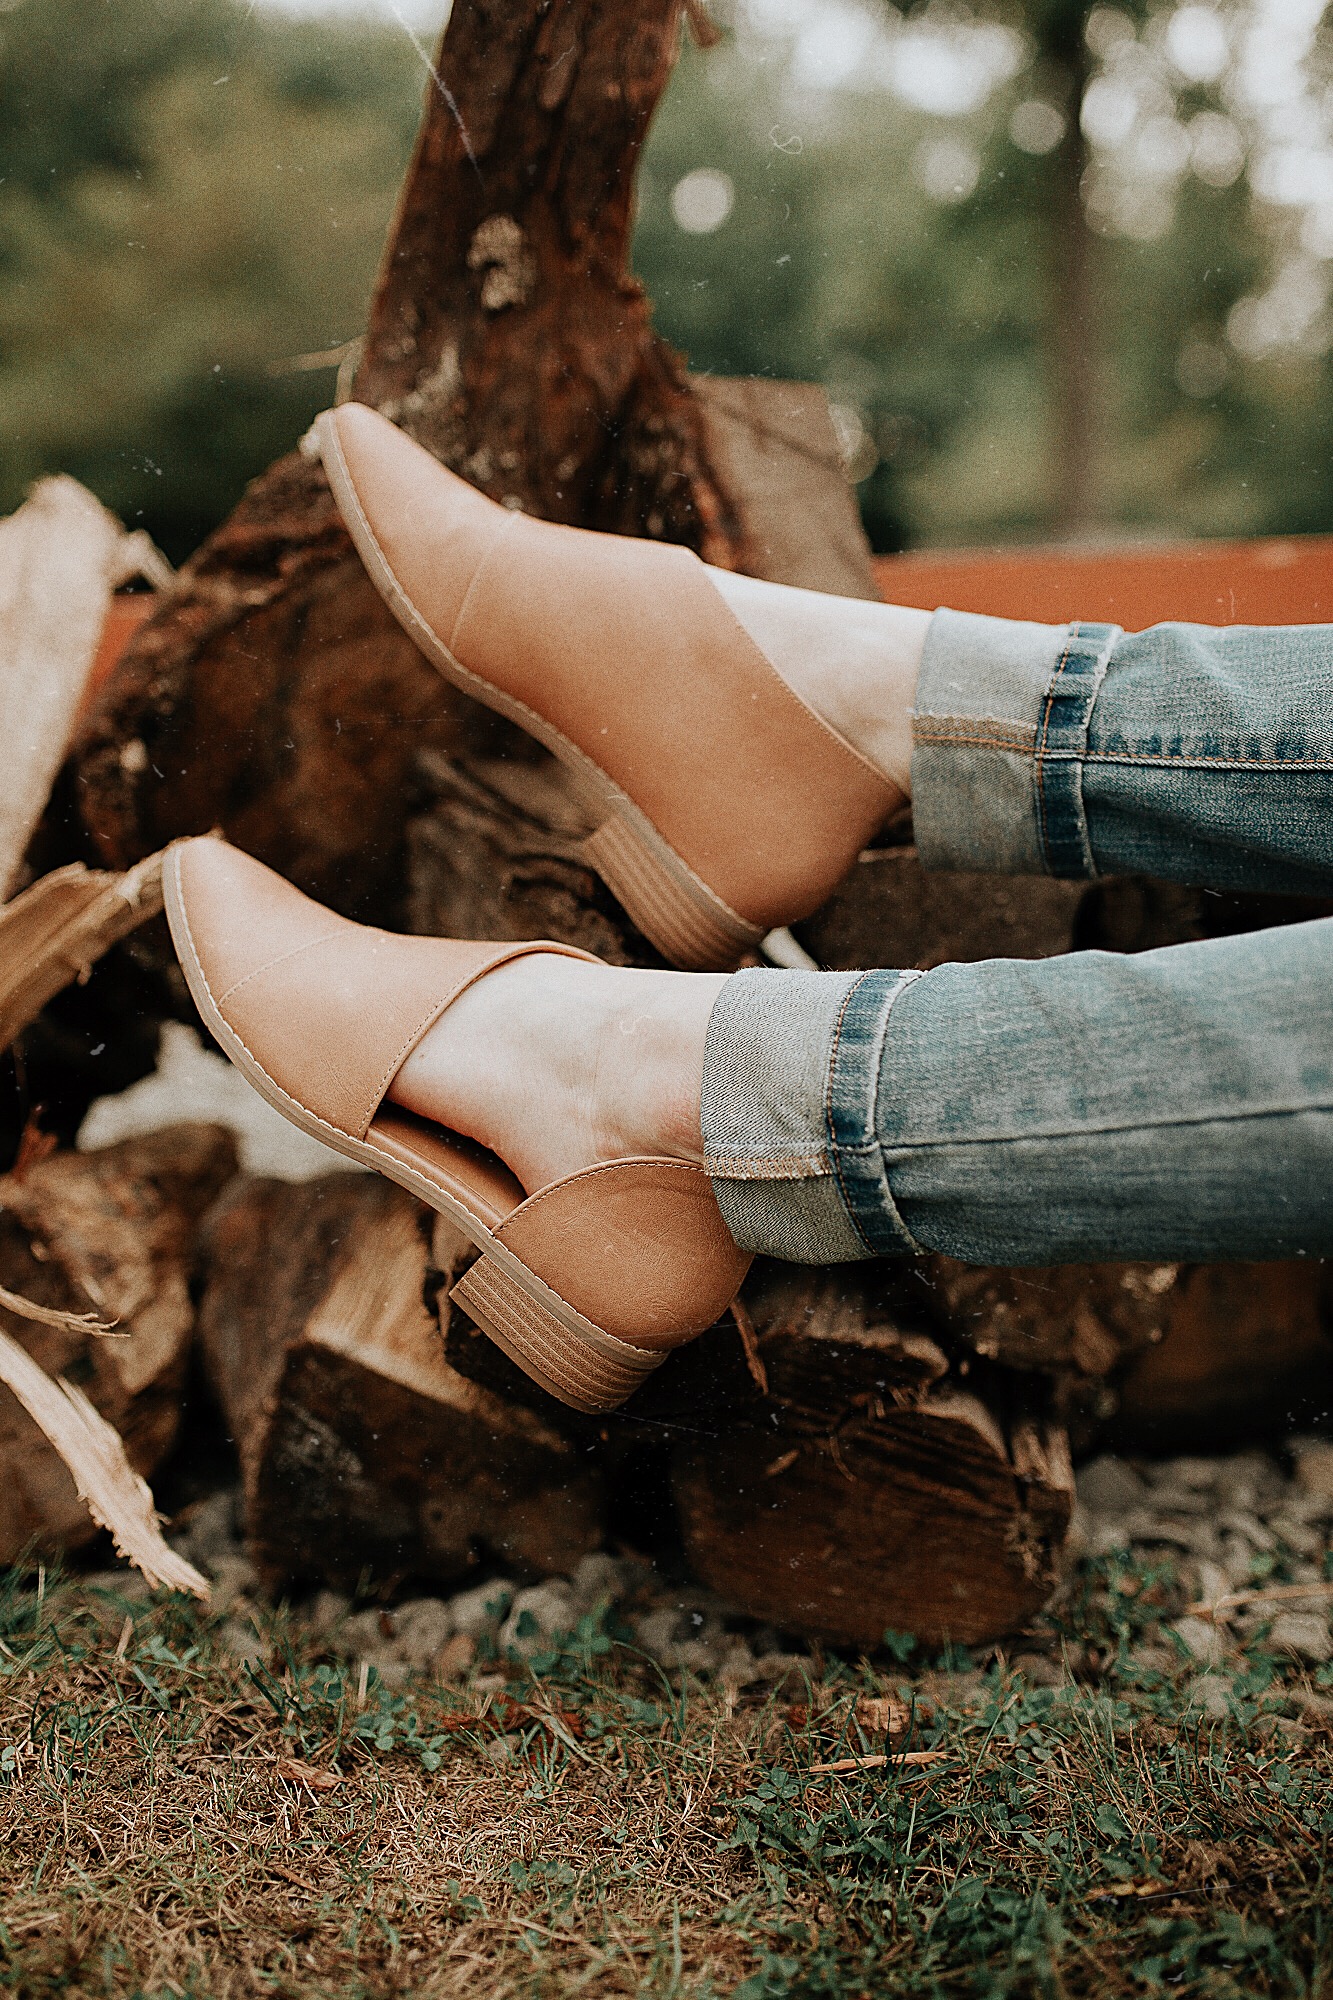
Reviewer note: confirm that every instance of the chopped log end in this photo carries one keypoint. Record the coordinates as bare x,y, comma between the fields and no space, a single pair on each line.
362,1449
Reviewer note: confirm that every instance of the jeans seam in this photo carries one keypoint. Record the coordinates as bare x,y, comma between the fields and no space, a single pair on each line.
1043,733
1169,759
833,1146
868,1148
1097,643
1236,1115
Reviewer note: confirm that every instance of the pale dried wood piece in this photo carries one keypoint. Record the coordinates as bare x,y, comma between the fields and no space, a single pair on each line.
53,932
898,1759
61,556
775,446
114,1227
116,1497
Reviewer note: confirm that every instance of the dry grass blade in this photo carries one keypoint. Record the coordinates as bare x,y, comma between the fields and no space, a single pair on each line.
1275,1593
909,1758
107,1483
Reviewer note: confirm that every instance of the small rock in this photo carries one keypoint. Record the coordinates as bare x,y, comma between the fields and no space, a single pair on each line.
1108,1487
421,1629
787,1674
393,1672
1298,1535
1237,1561
656,1631
1212,1694
364,1637
1315,1708
1106,1538
211,1529
240,1642
1314,1467
598,1579
481,1611
738,1666
1038,1669
1213,1582
1239,1521
688,1633
233,1576
455,1657
1191,1475
537,1616
1150,1659
326,1612
1201,1639
1304,1634
1247,1480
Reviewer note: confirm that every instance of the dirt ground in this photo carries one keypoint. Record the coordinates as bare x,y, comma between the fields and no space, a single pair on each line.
1133,1799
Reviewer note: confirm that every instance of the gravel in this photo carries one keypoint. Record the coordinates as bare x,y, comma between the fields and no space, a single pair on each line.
1233,1524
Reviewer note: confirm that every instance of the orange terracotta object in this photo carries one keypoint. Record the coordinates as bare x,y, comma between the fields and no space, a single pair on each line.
1283,581
1286,581
124,616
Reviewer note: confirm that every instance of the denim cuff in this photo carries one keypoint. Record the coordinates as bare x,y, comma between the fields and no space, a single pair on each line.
1000,733
791,1076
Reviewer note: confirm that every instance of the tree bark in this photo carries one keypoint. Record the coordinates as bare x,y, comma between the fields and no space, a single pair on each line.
272,695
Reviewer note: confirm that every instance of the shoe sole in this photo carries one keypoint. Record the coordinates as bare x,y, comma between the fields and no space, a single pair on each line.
673,907
569,1356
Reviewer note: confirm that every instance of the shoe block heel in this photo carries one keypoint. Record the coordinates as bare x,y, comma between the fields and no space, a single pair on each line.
564,1353
675,910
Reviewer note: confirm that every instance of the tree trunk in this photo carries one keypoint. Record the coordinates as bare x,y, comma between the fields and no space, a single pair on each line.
272,694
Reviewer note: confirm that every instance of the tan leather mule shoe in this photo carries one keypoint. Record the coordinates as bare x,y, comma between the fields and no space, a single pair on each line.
724,806
587,1284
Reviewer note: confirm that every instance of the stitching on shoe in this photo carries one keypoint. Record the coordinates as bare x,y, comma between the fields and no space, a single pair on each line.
590,1173
272,963
798,701
500,536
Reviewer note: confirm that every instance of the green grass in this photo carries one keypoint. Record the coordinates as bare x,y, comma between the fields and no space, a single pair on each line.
172,1822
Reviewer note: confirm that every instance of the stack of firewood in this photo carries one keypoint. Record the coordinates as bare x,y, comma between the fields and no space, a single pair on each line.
853,1448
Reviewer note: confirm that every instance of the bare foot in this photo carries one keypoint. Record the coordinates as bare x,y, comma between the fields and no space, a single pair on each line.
854,662
556,1064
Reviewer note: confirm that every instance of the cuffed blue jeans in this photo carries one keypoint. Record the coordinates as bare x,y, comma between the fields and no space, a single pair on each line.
1176,1104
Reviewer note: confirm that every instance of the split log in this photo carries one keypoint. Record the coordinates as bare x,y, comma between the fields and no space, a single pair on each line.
860,1486
362,1450
112,1231
1150,1356
1247,1349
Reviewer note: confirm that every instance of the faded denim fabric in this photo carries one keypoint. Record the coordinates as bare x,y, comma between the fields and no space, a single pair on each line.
1173,1104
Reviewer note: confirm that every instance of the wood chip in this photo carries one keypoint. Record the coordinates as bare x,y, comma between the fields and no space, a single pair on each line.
754,1360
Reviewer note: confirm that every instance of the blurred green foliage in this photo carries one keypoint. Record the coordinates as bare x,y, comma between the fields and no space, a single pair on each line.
194,193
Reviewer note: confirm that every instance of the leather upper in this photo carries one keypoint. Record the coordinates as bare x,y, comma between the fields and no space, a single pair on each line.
655,1219
329,1009
628,649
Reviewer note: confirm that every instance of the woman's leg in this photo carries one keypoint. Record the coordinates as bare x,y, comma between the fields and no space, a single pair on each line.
1176,1104
1173,1104
1197,753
